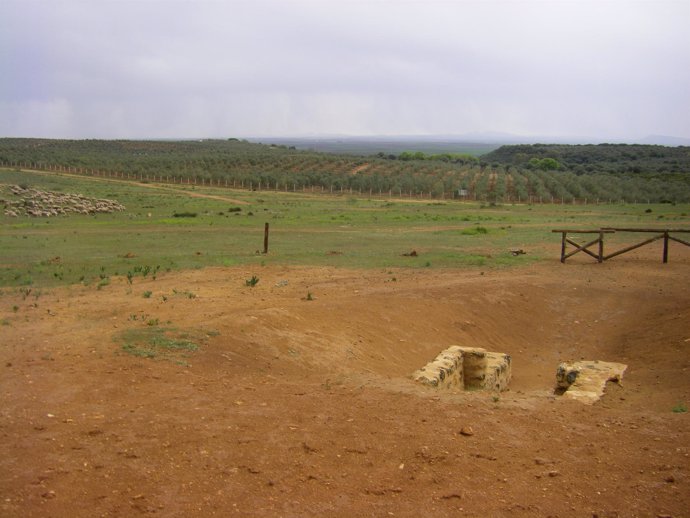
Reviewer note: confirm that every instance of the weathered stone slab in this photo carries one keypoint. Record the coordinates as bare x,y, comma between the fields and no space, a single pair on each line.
471,368
585,381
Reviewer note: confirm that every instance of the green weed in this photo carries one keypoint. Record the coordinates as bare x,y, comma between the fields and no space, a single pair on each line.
252,282
475,231
680,408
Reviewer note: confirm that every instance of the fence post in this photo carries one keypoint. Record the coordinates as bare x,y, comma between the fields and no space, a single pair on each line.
266,238
665,246
563,234
601,247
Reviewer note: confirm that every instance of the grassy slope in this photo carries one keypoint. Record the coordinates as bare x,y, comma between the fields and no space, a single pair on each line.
305,230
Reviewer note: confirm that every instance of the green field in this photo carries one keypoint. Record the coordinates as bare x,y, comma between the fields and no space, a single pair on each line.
341,231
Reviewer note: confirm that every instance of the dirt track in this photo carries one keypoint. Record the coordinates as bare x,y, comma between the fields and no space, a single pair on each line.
295,407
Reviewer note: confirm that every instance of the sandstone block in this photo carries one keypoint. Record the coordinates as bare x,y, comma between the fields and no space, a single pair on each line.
585,381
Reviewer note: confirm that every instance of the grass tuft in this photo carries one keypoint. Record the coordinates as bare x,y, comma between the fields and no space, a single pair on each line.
159,342
680,408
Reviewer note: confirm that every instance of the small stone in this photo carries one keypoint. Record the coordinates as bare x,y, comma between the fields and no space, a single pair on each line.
466,431
49,494
670,479
554,473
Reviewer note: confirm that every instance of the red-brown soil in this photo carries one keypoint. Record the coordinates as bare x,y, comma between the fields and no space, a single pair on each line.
296,407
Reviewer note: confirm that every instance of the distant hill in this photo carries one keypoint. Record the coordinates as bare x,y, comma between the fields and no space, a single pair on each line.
587,158
387,145
665,140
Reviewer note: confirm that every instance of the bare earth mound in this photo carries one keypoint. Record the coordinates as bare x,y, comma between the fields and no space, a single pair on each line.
295,397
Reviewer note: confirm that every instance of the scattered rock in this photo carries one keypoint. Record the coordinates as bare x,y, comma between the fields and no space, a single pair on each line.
466,431
308,449
413,253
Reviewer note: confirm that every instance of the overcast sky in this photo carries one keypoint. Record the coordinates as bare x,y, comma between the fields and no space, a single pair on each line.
616,69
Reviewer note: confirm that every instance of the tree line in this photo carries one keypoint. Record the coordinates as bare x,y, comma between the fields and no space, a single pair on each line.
647,160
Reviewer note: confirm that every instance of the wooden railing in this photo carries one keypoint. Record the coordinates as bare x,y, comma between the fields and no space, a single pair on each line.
599,255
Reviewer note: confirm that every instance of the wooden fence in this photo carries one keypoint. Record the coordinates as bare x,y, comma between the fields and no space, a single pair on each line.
600,256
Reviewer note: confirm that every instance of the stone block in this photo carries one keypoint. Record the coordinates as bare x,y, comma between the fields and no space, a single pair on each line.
585,381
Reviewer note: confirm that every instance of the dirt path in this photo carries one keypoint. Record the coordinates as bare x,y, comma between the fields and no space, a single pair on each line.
299,407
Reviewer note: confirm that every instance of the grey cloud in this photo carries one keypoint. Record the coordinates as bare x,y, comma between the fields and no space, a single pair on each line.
157,68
